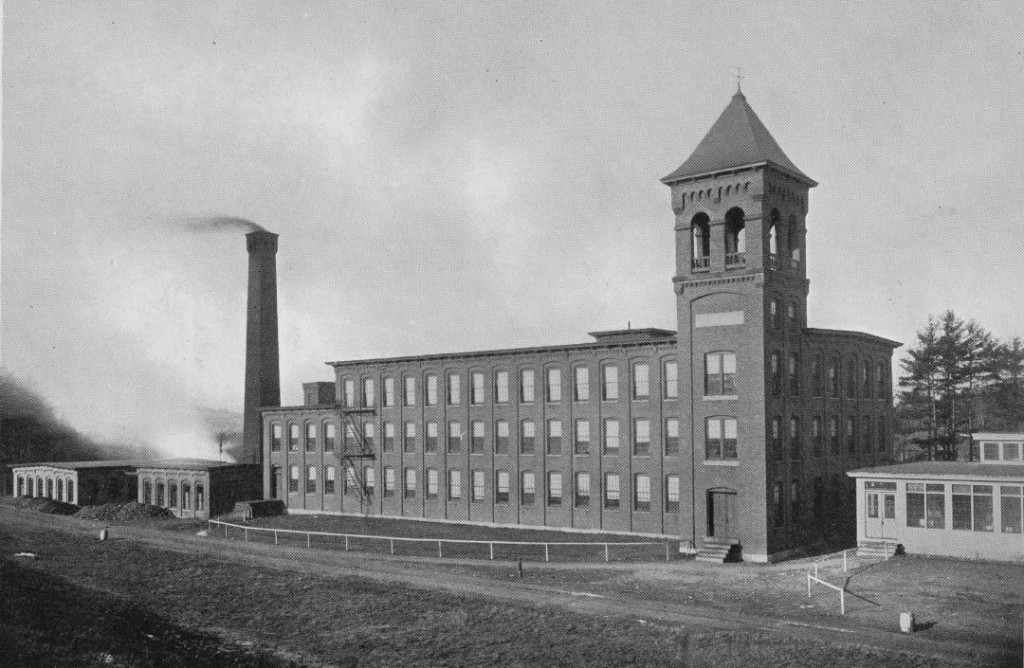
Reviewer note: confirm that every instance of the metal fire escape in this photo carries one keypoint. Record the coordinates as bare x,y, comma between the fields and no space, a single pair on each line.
356,450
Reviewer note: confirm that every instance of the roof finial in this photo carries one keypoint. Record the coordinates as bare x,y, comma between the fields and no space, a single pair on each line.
739,81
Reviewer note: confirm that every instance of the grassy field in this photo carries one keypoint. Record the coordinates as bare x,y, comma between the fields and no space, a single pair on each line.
121,603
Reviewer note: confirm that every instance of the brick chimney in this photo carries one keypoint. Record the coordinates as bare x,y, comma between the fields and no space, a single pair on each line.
262,367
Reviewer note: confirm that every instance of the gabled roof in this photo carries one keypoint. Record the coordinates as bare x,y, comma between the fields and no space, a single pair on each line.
737,139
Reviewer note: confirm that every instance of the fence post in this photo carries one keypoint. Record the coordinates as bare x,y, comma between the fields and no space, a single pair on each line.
666,551
808,585
225,530
492,551
606,551
392,546
439,550
842,601
275,536
308,544
844,560
246,533
346,542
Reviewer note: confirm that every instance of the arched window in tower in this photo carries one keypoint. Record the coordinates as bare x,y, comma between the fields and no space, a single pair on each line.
701,237
773,235
735,239
793,242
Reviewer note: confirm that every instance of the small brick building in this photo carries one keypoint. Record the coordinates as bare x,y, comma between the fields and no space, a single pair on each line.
81,483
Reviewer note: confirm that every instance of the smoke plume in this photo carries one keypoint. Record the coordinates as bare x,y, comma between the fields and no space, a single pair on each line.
223,224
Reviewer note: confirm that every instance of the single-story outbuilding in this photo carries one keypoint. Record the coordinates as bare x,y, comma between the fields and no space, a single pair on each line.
958,509
81,483
198,488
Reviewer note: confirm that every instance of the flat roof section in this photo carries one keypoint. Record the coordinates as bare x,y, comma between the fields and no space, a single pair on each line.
933,470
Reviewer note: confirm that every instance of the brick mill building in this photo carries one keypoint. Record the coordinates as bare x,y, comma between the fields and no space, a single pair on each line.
733,433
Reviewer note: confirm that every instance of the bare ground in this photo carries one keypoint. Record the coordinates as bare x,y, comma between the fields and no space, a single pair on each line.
320,607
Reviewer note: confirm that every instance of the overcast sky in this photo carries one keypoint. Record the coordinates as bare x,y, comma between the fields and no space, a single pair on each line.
459,176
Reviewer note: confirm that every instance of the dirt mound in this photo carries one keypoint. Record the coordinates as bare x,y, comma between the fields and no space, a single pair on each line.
44,505
123,511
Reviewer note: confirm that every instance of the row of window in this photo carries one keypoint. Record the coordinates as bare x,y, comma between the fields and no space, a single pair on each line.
170,495
857,430
972,507
553,388
780,496
1001,452
58,489
502,481
554,439
872,380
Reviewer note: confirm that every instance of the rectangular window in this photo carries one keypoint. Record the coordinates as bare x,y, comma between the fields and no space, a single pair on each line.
431,444
431,390
476,443
670,380
389,392
409,438
641,381
581,384
501,387
817,438
721,436
972,508
369,480
454,389
775,372
476,395
527,437
611,436
349,486
795,438
501,486
432,483
672,436
672,494
793,371
454,437
833,377
609,382
794,501
410,391
501,437
527,489
410,483
368,435
293,483
554,437
310,481
641,436
582,441
915,504
935,505
775,437
851,379
310,437
275,437
851,434
554,385
1010,504
990,452
479,481
1011,451
293,438
582,491
865,379
454,485
349,392
554,488
816,376
389,437
369,396
389,481
880,379
833,434
526,386
611,491
642,493
330,436
720,374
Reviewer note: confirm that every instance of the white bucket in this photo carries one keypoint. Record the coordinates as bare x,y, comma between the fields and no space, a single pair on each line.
907,622
103,534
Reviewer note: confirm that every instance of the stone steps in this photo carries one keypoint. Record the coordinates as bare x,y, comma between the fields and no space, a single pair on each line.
714,551
876,549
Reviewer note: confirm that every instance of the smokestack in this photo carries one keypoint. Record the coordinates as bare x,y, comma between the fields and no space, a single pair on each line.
262,373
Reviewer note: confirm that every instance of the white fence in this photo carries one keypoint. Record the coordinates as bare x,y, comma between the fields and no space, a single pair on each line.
506,549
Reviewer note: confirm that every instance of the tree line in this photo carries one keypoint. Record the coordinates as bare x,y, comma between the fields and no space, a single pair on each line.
958,379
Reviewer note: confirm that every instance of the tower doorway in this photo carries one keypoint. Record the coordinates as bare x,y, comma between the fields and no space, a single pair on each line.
722,521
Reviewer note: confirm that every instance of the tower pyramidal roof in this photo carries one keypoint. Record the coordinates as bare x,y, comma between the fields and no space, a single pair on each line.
737,139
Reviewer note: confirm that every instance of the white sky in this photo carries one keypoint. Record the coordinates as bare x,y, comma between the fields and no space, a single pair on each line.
457,176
